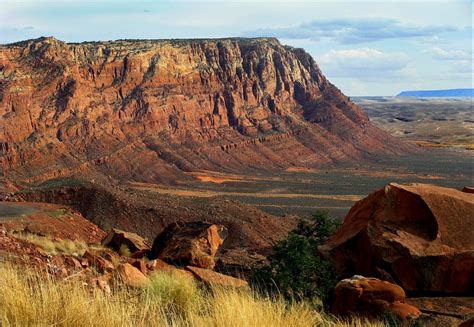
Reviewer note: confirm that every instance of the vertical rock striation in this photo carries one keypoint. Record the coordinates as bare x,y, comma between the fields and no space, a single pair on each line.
147,109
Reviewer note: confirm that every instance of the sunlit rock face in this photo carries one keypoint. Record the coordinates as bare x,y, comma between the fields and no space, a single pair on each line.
151,109
420,236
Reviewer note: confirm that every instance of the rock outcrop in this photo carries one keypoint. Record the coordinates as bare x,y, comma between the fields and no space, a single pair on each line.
371,297
194,243
98,262
131,276
148,110
252,232
117,238
212,278
419,236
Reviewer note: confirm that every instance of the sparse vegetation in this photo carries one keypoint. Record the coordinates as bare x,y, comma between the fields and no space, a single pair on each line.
54,247
124,251
178,295
55,183
59,213
28,298
434,123
296,269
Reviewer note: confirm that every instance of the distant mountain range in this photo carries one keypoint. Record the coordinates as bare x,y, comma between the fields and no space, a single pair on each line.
438,93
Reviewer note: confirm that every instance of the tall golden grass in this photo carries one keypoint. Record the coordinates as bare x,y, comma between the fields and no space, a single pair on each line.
30,298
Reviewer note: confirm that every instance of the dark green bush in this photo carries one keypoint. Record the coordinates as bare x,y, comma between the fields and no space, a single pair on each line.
296,269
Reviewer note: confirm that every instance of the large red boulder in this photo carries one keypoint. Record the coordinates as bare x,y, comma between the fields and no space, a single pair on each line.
420,236
371,297
194,243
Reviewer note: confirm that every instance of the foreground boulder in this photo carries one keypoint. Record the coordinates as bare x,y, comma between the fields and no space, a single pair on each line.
371,297
98,262
194,243
116,238
131,276
421,236
213,278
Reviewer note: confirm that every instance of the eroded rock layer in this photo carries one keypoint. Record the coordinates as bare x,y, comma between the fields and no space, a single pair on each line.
148,110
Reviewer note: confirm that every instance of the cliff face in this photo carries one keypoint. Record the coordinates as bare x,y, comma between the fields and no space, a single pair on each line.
147,110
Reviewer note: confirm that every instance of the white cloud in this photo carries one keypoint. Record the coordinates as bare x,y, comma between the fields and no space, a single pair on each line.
353,30
442,54
364,63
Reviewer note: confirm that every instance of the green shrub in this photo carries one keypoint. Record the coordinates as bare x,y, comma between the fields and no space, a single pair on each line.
124,251
296,269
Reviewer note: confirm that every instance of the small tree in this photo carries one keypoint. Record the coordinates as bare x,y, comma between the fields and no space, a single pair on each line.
296,269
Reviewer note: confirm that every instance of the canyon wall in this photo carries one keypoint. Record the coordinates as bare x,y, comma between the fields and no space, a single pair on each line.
149,110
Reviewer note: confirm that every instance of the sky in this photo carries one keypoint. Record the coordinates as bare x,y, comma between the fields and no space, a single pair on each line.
363,47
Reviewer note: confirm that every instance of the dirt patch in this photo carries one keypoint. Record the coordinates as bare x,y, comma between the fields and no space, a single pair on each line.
315,208
208,193
388,173
49,220
302,170
216,179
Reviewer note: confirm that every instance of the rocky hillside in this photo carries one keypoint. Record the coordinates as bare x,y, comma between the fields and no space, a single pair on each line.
151,109
252,232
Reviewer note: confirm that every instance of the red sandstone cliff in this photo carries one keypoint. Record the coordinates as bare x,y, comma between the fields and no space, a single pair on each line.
149,109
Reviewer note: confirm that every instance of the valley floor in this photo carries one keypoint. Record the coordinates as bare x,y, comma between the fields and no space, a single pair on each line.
303,191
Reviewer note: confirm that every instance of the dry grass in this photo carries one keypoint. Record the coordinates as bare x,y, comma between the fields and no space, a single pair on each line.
28,298
54,247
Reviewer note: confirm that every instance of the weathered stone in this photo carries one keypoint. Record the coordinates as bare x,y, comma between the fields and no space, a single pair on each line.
213,278
98,262
194,243
72,261
140,265
219,99
371,297
139,254
420,235
117,238
131,276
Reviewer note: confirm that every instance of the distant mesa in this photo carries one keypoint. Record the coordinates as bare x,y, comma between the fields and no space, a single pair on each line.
152,110
453,93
